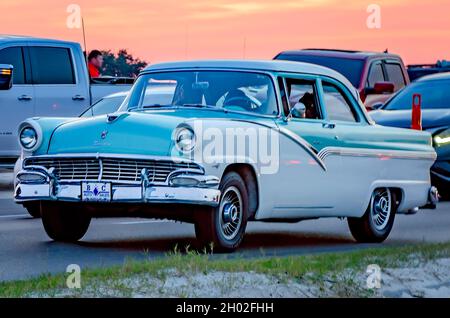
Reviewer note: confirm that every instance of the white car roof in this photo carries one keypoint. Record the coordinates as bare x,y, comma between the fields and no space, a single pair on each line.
261,65
6,38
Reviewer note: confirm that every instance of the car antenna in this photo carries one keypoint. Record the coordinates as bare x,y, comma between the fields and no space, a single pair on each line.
86,59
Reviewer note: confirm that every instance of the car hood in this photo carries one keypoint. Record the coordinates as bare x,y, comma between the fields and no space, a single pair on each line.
142,133
431,118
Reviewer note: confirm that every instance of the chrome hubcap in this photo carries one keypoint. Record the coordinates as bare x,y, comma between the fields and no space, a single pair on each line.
231,213
381,207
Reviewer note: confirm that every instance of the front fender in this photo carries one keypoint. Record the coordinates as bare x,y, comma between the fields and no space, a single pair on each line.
45,128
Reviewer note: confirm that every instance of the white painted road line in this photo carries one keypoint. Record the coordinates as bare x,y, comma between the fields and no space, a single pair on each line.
6,195
13,215
141,222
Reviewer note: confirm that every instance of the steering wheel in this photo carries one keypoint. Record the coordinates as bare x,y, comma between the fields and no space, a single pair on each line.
238,98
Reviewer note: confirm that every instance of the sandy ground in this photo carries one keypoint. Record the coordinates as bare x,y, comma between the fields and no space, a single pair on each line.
430,279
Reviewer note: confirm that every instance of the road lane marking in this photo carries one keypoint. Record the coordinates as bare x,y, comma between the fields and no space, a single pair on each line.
13,215
141,222
6,195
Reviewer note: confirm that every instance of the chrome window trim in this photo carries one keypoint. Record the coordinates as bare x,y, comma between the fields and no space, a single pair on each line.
270,74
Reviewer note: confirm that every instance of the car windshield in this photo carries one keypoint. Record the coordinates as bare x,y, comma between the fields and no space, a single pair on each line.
227,90
350,68
435,94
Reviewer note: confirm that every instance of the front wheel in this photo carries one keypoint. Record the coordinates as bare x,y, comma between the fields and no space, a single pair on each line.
66,223
376,224
224,226
33,208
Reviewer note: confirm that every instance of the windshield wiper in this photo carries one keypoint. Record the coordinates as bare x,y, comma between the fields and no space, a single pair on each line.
137,108
155,106
200,106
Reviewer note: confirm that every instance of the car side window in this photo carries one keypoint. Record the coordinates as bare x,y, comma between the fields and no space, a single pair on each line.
303,91
395,75
337,105
14,56
51,65
375,74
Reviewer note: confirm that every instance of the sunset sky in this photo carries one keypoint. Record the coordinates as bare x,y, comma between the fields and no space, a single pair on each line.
164,30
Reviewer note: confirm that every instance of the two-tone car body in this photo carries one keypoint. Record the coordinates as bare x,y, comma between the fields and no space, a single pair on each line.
236,141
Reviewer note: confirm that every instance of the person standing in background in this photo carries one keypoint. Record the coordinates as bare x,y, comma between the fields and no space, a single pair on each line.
95,63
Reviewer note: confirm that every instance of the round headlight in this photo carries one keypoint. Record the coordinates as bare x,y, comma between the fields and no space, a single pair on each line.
185,139
28,137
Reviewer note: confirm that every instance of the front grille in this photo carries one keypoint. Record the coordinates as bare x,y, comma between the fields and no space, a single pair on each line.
110,169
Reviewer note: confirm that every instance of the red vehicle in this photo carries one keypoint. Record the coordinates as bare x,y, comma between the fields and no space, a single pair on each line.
376,75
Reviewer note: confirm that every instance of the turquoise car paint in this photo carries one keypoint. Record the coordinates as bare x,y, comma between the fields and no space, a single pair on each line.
48,126
99,135
153,128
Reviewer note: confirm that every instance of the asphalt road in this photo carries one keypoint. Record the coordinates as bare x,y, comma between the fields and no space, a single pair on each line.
26,251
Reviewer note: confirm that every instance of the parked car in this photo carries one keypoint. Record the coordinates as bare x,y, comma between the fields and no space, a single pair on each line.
435,91
376,75
416,71
302,147
46,78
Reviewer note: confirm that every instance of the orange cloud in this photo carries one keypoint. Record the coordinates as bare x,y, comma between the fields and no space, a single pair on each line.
162,30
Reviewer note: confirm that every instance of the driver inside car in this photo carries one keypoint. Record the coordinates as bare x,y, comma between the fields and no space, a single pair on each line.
308,100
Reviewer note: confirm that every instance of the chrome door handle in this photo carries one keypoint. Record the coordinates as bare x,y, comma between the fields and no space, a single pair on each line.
328,125
78,97
24,98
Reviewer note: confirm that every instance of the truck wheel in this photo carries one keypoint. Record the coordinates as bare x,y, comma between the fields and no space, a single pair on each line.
224,226
376,224
63,222
33,208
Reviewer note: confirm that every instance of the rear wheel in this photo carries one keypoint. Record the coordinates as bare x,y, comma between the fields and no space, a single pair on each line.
376,224
66,223
224,226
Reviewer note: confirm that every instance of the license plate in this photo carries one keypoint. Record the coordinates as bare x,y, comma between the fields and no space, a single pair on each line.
96,191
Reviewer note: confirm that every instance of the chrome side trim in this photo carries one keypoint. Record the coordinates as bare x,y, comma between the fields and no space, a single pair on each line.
294,137
305,145
377,153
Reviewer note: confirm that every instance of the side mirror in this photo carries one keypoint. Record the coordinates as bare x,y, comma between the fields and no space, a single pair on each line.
380,88
6,76
298,111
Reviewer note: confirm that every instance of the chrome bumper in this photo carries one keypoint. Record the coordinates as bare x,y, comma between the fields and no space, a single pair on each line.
49,189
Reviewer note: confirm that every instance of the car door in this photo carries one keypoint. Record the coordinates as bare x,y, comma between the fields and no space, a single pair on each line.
394,72
301,168
59,90
17,103
354,137
376,74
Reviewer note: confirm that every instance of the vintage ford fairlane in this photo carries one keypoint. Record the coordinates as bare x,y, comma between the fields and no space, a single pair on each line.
221,143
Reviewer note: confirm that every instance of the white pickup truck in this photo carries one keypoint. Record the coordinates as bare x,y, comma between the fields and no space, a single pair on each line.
43,77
